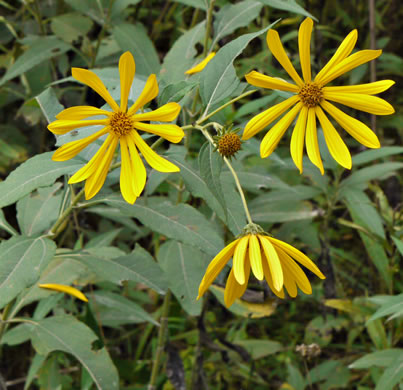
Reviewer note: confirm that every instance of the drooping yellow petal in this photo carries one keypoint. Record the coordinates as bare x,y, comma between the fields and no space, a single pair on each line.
157,162
367,103
260,80
342,52
273,261
199,67
64,126
127,69
269,279
166,113
334,142
80,112
88,169
304,44
216,266
149,92
276,47
255,257
297,255
351,62
274,135
93,81
138,168
171,133
239,260
127,175
311,140
260,121
94,183
66,289
361,132
234,290
289,281
298,138
71,149
367,89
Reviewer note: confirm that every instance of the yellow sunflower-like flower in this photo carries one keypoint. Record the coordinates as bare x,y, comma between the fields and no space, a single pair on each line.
312,99
121,126
269,258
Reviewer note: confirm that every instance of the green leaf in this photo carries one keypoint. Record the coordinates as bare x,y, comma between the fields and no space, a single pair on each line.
70,26
67,334
184,268
5,225
392,375
287,5
374,154
42,49
36,364
202,4
259,348
180,57
91,8
218,80
38,171
291,194
399,244
49,104
21,262
232,16
115,310
179,222
391,305
133,37
383,358
175,92
295,378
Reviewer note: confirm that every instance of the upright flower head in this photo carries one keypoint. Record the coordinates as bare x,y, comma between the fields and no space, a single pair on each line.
121,126
269,258
311,101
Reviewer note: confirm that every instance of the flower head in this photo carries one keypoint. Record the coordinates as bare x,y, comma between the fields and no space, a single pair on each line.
312,98
199,67
122,126
227,141
269,258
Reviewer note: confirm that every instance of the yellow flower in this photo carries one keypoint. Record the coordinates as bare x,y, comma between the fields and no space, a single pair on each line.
121,126
269,258
199,67
311,101
66,289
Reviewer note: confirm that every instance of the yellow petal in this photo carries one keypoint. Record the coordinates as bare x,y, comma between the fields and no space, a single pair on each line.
273,261
157,162
64,126
260,121
80,112
166,113
199,67
275,46
367,103
289,282
255,257
269,280
138,168
234,290
149,92
260,80
273,137
311,140
298,137
367,89
362,133
127,69
297,255
239,260
334,142
94,183
93,81
171,133
351,62
88,169
304,44
66,289
126,174
71,149
216,266
342,52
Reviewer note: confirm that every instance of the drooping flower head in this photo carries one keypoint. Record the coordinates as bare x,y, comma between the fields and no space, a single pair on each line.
269,258
312,98
122,126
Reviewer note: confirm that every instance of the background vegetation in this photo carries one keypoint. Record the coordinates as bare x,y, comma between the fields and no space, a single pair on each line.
347,334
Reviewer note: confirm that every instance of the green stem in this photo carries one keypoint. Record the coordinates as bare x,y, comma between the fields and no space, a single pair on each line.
3,324
161,340
208,27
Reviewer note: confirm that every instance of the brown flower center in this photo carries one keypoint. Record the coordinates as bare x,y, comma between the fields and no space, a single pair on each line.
120,124
229,144
311,95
